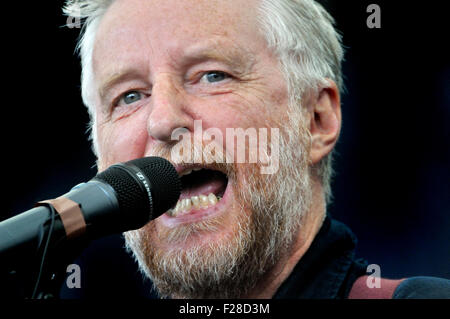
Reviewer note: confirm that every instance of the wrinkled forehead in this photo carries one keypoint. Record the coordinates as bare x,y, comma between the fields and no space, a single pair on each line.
131,27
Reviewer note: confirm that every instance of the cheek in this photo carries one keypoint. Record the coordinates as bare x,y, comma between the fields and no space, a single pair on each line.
123,140
232,111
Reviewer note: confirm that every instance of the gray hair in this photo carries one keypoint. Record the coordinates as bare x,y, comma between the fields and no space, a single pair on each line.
300,32
310,51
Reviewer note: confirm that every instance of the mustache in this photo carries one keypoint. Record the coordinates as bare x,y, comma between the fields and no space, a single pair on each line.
196,155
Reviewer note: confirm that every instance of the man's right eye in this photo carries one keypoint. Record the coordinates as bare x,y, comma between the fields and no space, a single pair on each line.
130,97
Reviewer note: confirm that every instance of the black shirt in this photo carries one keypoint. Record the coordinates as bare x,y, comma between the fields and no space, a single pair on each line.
328,269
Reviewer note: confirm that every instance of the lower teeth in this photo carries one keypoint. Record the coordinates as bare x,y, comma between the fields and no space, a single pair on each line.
195,202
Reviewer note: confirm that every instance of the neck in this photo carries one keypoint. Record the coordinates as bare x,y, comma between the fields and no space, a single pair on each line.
313,219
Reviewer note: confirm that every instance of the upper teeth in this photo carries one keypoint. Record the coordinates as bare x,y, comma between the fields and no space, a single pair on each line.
195,202
188,171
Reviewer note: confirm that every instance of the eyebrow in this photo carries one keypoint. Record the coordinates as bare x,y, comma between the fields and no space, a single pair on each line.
117,77
237,58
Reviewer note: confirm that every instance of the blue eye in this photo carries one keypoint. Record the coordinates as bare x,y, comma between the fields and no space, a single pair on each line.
131,97
215,76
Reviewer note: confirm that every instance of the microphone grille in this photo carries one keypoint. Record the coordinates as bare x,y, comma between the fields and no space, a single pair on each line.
133,200
164,180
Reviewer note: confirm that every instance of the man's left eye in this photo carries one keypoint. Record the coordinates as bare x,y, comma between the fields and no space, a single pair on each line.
214,76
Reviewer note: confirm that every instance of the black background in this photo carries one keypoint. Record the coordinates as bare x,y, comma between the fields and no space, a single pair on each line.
393,165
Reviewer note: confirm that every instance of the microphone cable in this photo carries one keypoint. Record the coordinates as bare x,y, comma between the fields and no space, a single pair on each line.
44,252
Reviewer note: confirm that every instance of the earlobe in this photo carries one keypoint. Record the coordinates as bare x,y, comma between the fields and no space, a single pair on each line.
325,122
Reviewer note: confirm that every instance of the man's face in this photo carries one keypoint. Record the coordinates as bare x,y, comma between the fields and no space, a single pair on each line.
161,65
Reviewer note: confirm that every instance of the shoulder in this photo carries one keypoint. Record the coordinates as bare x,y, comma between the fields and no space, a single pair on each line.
423,288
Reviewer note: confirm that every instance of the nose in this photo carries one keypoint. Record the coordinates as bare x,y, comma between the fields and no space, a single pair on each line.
167,111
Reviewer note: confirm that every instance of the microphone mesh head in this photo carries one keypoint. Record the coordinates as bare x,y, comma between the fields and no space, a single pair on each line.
164,180
135,209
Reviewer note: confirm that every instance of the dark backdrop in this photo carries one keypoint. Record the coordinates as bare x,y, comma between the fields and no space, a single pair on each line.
392,184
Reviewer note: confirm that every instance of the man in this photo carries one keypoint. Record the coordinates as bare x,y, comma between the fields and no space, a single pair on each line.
155,71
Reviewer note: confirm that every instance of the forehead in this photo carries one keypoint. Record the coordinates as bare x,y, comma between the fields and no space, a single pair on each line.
180,13
131,29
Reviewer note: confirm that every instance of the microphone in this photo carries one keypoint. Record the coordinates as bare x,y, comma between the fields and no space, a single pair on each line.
124,197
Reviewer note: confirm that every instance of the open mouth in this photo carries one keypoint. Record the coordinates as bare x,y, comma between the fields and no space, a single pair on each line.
202,189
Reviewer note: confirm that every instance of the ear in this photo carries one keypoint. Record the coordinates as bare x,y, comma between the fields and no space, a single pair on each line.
325,121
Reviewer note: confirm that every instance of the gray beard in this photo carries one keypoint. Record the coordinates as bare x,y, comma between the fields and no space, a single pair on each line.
231,268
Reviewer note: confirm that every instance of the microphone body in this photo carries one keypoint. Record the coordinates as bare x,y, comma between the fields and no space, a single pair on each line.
23,233
124,197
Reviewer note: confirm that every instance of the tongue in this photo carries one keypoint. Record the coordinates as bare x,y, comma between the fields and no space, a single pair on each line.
215,184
